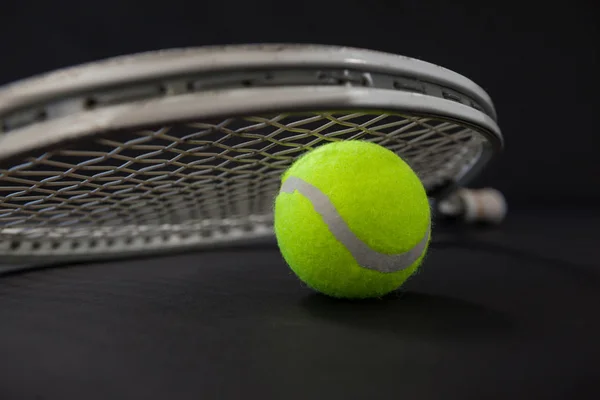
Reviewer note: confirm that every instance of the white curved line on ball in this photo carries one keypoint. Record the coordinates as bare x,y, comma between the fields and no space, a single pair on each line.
362,253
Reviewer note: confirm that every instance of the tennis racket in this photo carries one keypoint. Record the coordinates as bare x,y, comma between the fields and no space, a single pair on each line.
184,148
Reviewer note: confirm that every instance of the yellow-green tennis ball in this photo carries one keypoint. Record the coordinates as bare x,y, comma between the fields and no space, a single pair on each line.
352,219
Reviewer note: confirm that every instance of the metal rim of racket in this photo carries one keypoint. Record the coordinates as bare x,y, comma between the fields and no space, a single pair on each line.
178,85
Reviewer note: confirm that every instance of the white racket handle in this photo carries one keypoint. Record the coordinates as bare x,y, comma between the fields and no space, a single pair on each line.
475,205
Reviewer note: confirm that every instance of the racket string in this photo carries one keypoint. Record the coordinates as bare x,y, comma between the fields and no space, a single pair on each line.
206,175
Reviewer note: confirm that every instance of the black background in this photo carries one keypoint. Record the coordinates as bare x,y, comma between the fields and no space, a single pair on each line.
538,61
503,313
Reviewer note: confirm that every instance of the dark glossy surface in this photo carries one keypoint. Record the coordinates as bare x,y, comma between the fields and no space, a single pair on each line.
227,325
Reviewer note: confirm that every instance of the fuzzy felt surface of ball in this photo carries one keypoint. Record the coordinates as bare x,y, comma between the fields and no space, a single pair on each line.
352,219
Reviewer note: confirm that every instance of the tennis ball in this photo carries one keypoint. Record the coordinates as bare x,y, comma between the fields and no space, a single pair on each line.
352,219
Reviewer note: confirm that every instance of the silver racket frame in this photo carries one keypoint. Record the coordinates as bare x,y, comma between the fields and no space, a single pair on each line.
49,111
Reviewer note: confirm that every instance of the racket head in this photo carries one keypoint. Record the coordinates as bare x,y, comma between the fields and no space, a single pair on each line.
185,147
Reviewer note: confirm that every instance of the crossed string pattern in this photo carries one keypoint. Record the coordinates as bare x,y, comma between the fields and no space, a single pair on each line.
202,176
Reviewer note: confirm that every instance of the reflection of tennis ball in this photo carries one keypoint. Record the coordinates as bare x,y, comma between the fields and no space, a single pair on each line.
352,219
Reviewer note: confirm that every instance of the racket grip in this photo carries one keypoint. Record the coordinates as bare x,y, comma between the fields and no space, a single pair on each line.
474,206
